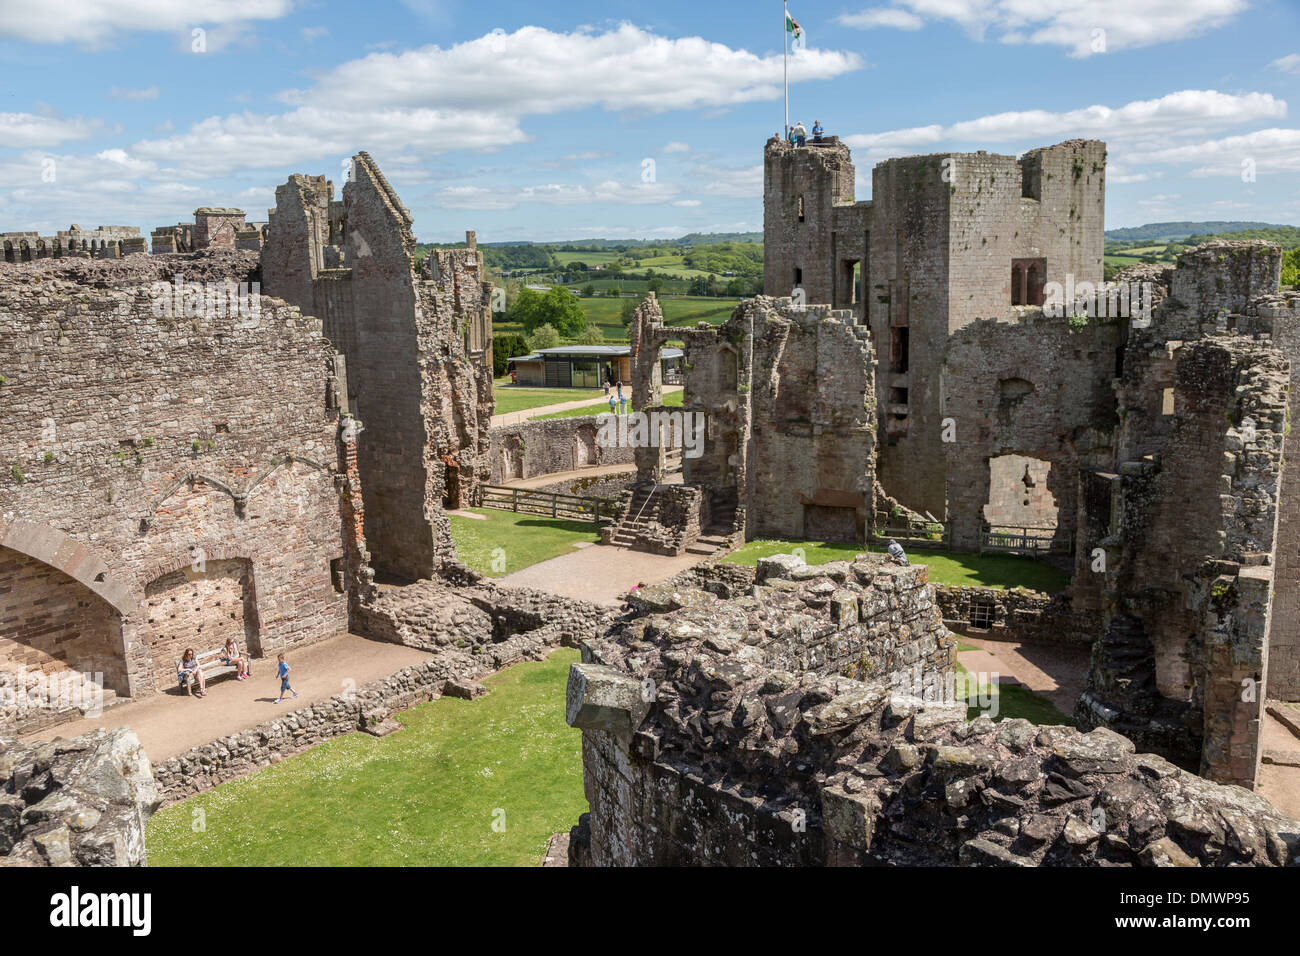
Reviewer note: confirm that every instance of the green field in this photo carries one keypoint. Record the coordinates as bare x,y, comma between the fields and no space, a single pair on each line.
518,398
504,541
591,258
464,783
606,313
946,567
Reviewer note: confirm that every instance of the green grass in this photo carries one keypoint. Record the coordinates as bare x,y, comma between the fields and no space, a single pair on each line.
1010,700
523,539
426,795
606,314
519,398
949,568
596,408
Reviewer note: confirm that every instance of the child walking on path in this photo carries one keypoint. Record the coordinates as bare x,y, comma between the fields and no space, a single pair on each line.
284,678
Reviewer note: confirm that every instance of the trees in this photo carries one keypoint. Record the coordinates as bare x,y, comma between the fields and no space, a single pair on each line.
557,308
544,337
505,345
591,335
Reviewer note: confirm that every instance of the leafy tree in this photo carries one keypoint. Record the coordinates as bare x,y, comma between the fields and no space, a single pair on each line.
625,314
544,337
504,346
655,285
591,335
588,291
1291,267
557,308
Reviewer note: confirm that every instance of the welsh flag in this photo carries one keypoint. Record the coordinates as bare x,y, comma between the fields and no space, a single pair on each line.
792,27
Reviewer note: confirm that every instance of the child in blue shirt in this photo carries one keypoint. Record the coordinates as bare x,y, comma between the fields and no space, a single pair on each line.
284,678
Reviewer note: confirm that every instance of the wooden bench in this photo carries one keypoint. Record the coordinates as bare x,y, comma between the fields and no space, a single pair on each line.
210,663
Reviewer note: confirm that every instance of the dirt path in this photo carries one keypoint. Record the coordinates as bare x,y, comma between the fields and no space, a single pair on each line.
514,418
600,573
1280,783
171,722
1057,672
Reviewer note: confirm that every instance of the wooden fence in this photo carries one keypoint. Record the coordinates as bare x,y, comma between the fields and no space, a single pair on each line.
554,504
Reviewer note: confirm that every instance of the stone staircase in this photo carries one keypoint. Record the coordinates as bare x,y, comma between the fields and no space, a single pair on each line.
716,537
641,512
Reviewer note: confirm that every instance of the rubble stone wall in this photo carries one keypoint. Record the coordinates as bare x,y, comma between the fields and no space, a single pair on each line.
706,742
144,447
552,445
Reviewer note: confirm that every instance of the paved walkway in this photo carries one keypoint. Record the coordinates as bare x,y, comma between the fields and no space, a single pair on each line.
514,418
602,573
171,722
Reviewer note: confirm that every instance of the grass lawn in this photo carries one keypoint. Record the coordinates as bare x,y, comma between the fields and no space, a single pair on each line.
427,795
519,398
950,568
523,539
1010,700
671,399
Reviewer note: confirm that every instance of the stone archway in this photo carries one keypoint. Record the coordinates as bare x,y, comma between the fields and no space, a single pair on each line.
52,624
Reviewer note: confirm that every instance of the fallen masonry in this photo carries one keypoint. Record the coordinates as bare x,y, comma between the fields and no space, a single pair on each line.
82,802
767,730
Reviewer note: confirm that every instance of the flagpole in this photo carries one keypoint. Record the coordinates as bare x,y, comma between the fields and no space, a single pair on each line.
785,37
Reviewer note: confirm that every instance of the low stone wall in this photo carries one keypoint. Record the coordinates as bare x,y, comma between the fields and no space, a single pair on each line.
547,446
79,802
1016,614
471,626
595,486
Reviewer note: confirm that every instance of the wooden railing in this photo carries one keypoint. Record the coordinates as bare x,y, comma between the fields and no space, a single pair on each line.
1031,541
554,504
932,536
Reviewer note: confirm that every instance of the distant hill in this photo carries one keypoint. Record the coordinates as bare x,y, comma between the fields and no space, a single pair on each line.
691,239
1173,231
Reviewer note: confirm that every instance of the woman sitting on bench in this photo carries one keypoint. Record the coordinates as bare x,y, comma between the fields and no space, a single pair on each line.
230,655
190,669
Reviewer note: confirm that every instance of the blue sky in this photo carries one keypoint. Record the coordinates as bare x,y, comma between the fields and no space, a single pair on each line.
571,120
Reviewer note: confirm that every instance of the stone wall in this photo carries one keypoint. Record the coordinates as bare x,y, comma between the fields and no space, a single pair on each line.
1188,567
149,448
786,394
1016,614
532,448
418,350
729,733
79,802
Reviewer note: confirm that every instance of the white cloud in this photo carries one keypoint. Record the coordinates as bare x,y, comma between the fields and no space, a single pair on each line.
1141,126
1072,24
555,194
895,17
1287,64
25,130
314,33
96,22
483,89
687,203
1264,151
675,147
126,93
731,182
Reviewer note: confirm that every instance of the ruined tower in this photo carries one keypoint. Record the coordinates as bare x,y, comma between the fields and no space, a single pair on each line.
417,347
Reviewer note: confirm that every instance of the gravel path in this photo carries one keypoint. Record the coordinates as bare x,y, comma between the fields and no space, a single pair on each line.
171,722
601,573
